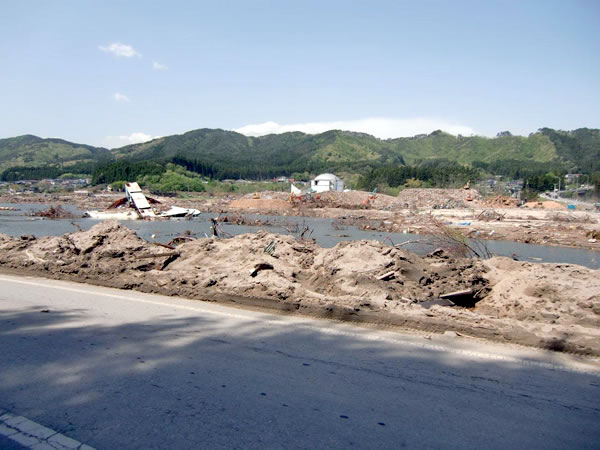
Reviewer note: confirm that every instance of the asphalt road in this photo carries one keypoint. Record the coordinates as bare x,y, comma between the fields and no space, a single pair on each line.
119,369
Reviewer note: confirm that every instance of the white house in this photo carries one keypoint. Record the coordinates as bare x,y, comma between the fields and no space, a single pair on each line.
327,182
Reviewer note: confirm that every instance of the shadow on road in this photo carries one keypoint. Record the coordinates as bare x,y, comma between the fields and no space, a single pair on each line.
197,381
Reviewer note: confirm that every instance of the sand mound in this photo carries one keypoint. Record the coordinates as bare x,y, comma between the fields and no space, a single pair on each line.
550,305
556,300
437,198
356,199
104,250
251,203
548,204
501,201
266,201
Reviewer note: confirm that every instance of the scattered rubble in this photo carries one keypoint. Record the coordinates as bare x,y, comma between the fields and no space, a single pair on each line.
438,198
547,204
490,215
265,201
362,280
593,234
501,201
55,212
135,205
498,218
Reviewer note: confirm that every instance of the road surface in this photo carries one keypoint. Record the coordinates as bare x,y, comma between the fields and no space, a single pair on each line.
120,369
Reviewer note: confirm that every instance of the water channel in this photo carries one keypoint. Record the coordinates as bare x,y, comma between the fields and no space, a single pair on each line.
20,222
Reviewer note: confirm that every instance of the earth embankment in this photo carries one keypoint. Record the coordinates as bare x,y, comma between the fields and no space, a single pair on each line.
555,306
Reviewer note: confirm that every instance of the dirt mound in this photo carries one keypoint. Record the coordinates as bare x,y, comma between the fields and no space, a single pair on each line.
263,201
329,199
251,203
106,250
551,305
356,200
55,212
437,198
548,204
501,201
557,300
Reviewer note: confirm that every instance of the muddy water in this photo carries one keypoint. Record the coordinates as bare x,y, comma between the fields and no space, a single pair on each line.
17,223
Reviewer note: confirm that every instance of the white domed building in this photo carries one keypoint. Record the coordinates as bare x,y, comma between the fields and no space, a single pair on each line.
327,182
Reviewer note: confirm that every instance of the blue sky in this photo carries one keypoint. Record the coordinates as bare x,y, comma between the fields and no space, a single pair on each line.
111,73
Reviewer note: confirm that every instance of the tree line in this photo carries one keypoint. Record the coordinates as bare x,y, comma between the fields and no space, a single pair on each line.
537,176
442,174
41,173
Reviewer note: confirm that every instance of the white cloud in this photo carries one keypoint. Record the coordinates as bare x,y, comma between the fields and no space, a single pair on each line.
118,49
133,138
158,66
121,98
381,127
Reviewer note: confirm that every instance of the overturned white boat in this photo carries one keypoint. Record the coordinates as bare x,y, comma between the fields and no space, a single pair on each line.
116,215
138,207
177,211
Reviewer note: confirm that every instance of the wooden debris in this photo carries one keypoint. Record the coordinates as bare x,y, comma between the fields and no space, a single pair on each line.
387,276
164,245
457,293
414,241
179,240
260,266
55,212
158,255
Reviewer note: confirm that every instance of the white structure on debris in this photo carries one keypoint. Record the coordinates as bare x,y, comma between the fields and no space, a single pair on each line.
136,196
327,182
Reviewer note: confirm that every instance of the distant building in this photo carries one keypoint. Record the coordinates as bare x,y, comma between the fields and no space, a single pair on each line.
327,182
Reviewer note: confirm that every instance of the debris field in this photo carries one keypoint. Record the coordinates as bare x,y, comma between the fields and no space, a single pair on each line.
555,306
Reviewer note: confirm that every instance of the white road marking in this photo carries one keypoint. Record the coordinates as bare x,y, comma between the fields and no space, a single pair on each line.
32,435
333,329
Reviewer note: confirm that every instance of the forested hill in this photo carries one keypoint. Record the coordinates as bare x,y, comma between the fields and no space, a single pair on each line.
239,155
37,153
229,154
577,150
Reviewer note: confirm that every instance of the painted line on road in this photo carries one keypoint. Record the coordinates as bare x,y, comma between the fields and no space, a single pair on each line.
331,331
32,435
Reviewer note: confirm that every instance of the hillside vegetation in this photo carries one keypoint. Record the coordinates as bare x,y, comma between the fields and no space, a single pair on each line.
33,151
216,153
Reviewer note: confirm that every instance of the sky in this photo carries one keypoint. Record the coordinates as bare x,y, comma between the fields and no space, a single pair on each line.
111,73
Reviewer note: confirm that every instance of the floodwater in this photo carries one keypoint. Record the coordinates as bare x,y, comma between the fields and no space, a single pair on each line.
17,223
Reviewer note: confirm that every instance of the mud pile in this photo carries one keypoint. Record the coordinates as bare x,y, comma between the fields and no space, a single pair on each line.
106,251
362,281
559,302
356,200
501,201
267,201
548,204
55,212
438,198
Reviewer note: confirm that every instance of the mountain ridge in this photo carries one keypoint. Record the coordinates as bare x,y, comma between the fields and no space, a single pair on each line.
300,152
